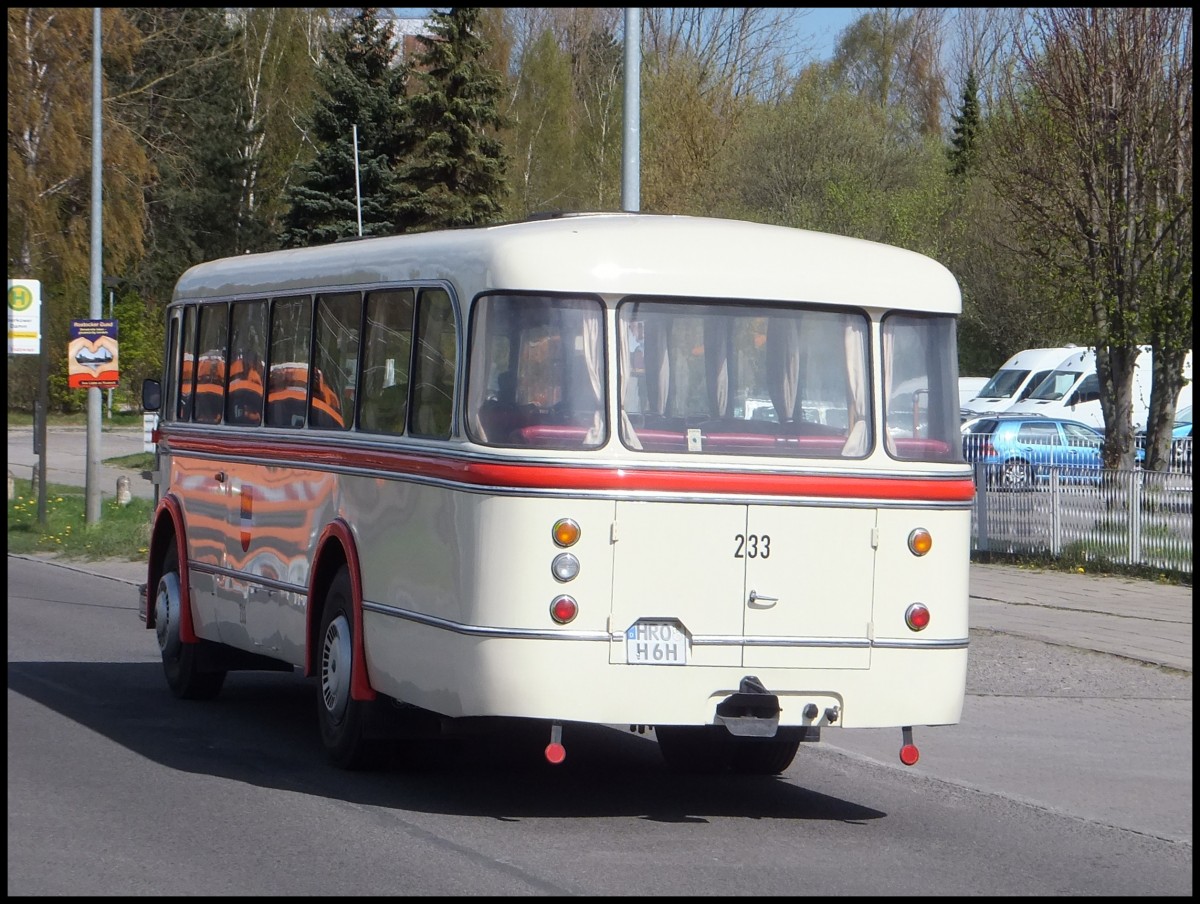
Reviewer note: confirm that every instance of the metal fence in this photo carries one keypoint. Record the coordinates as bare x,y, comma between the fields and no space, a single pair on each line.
1121,517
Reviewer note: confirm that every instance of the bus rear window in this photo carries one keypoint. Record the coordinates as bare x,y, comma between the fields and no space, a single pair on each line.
741,378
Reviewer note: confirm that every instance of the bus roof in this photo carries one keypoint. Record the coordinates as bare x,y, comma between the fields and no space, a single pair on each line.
618,253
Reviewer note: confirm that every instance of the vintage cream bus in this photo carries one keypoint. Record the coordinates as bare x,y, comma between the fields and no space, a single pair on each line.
511,472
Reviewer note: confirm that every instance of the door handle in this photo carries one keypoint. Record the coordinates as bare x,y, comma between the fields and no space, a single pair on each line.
762,602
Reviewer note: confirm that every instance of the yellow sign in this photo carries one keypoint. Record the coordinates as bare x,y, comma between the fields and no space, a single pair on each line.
24,316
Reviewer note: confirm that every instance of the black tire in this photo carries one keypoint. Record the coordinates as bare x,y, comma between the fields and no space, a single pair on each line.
695,749
342,720
187,677
764,756
1016,475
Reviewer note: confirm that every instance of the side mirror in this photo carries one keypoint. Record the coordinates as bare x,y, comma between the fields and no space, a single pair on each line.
151,395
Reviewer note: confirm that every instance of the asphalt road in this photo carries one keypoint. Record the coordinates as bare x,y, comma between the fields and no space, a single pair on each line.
1070,774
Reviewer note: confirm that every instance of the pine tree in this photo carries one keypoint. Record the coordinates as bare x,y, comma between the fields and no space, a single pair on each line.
364,87
455,174
963,151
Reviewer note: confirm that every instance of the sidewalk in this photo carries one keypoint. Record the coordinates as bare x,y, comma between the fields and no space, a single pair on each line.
1137,619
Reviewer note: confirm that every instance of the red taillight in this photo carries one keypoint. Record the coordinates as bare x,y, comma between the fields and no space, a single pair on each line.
987,450
563,609
917,617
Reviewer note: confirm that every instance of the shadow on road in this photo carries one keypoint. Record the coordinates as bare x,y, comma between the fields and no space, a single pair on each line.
262,731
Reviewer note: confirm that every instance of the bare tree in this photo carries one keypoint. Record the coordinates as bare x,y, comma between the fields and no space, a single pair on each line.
894,56
1095,161
984,44
743,52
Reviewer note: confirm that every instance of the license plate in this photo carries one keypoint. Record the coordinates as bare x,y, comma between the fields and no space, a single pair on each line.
655,643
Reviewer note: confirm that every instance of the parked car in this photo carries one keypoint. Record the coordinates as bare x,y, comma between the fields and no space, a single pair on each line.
968,388
1181,441
1015,380
1021,450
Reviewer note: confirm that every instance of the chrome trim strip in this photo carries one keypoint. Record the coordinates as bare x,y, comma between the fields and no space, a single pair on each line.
950,644
482,631
696,640
600,458
244,577
709,640
739,640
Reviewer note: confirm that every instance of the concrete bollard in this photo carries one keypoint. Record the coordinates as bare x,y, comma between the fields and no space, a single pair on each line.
12,487
124,493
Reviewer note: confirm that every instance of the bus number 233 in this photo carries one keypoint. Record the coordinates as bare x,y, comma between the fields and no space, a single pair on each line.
752,546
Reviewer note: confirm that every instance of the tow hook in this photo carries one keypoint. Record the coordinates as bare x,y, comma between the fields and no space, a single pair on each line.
752,712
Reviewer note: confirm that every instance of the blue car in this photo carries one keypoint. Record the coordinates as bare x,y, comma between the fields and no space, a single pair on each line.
1020,450
1181,441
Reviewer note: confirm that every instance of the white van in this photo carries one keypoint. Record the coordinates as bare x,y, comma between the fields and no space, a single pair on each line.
968,388
1072,391
1015,380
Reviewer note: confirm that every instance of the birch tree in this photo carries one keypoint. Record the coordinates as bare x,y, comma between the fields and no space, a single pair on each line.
1095,161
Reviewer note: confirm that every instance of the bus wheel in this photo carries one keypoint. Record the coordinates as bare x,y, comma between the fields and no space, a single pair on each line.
764,756
695,748
181,661
342,720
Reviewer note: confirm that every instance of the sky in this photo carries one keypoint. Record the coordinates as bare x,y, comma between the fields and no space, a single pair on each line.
819,28
822,27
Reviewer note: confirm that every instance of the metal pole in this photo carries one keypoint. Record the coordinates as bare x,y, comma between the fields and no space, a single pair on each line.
42,408
94,408
110,317
631,153
357,195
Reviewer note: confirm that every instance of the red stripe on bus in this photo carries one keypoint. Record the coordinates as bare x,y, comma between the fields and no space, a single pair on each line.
546,476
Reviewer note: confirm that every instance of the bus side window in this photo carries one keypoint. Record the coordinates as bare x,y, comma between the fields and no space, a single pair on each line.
247,343
210,363
387,347
287,385
187,365
433,366
334,372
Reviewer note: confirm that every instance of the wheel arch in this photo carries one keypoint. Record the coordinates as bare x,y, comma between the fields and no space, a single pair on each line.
336,548
168,528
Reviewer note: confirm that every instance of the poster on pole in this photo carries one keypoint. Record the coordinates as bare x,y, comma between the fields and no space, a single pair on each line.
24,316
92,355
